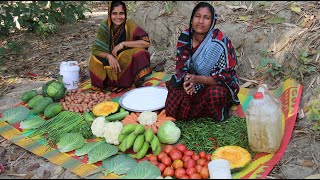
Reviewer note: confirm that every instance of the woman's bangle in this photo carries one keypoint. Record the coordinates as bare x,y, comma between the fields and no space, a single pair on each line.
121,45
205,79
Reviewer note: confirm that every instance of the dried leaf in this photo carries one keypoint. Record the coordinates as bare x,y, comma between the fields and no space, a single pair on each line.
237,7
295,8
245,85
33,166
276,20
243,18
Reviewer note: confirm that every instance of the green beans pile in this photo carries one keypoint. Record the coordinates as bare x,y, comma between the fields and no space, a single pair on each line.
55,127
204,134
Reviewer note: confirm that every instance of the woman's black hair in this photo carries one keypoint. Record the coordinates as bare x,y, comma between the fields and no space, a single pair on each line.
119,3
195,9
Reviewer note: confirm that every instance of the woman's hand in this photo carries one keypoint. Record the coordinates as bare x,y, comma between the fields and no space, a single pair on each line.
189,84
116,49
114,64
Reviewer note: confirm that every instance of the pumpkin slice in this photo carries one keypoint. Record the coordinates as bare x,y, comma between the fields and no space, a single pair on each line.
105,108
237,156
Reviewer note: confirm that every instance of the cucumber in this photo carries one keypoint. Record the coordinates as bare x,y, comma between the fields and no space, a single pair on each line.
117,116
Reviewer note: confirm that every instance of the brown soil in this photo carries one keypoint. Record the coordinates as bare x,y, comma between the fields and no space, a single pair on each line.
244,23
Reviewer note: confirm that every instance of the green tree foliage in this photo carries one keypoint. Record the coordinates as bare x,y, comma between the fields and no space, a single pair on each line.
39,16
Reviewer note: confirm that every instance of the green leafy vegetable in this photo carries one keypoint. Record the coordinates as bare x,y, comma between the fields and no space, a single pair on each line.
119,164
168,133
87,148
15,114
70,141
144,170
101,152
32,123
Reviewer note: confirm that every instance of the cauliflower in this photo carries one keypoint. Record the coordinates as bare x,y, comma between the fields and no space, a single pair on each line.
147,118
97,126
109,130
112,131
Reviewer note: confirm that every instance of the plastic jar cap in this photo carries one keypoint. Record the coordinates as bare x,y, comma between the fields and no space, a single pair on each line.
258,95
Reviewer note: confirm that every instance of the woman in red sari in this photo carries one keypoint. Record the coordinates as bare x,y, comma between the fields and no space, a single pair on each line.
205,83
119,54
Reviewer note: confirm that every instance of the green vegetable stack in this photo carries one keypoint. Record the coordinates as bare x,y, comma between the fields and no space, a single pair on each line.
135,136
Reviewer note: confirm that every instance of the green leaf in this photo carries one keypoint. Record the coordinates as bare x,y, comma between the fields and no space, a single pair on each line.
265,61
169,7
101,152
119,164
295,8
2,51
16,114
311,69
87,148
144,170
32,123
276,20
70,141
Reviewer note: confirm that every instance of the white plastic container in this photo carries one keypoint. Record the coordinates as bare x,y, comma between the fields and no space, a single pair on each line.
219,169
70,72
264,122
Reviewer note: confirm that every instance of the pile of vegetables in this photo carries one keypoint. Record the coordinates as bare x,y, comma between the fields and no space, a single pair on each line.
79,101
203,134
140,140
179,162
148,119
179,149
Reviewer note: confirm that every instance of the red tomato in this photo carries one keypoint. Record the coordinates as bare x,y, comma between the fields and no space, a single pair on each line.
155,162
198,168
189,153
206,163
195,157
208,157
185,158
161,167
181,147
168,171
175,154
195,176
184,176
189,163
179,172
160,155
166,160
190,171
201,161
204,172
152,157
202,154
168,148
177,164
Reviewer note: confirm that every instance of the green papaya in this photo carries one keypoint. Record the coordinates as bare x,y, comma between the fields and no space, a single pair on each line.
34,101
42,105
52,110
27,96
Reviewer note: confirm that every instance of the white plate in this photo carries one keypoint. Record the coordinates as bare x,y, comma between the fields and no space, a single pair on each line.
141,99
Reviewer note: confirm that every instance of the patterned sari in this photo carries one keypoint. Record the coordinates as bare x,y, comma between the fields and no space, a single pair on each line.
214,57
134,62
